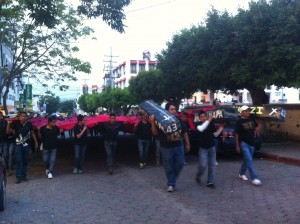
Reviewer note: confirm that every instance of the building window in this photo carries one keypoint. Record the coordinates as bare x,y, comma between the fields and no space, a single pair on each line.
277,93
142,67
133,68
151,67
268,87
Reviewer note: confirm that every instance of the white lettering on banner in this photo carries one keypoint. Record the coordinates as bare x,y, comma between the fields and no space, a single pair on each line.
216,114
166,118
283,113
274,111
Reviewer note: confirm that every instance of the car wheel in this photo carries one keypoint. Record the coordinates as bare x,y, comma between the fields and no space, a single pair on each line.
3,194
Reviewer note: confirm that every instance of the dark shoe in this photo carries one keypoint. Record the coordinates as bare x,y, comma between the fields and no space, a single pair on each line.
212,186
198,180
111,172
80,171
18,180
24,179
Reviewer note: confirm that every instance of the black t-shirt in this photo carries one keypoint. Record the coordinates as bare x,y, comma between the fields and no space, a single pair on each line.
110,131
49,137
77,130
245,128
164,140
206,138
3,136
143,131
22,132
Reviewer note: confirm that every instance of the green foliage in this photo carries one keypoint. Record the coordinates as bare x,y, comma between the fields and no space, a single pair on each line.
113,100
147,85
257,47
67,106
52,103
111,11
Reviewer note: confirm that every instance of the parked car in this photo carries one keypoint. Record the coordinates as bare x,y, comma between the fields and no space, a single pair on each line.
2,184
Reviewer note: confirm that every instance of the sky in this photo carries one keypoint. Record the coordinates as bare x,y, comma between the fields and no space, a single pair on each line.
150,25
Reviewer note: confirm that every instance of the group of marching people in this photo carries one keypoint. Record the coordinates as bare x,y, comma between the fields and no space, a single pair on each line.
19,133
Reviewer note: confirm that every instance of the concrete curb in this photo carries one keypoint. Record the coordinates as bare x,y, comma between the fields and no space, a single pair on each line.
280,159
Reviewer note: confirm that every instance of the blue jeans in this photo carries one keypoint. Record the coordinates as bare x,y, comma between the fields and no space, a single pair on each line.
173,161
2,149
79,155
157,150
143,146
49,157
22,153
110,149
248,151
207,157
9,149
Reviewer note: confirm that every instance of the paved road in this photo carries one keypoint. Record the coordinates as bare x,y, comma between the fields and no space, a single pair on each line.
138,196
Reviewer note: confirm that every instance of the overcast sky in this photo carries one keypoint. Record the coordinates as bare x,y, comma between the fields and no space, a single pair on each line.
150,24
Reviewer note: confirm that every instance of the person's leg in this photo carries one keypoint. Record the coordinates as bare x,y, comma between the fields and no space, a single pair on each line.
108,150
76,162
168,163
140,148
157,151
46,159
52,159
11,149
18,162
146,150
5,153
25,156
82,156
114,151
202,162
248,159
211,165
179,161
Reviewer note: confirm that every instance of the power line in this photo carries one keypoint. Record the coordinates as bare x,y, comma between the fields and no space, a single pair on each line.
150,6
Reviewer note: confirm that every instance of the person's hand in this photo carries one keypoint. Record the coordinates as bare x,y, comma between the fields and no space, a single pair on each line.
238,149
152,119
210,119
221,125
84,128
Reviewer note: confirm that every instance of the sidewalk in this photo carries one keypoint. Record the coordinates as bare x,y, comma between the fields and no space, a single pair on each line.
284,152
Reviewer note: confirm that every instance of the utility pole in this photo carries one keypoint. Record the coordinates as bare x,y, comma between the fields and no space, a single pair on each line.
108,70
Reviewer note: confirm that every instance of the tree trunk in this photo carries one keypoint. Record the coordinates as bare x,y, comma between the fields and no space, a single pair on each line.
4,100
259,97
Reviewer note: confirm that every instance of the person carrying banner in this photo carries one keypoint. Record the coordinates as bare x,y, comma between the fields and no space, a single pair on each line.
172,150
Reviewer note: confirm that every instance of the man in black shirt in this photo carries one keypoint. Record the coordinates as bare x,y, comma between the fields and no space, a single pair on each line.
49,136
245,129
80,133
172,150
110,133
207,149
22,130
3,126
144,135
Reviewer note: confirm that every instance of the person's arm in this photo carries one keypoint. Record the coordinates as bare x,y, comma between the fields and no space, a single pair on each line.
82,132
153,126
9,129
204,125
237,143
220,129
187,142
258,128
39,134
36,145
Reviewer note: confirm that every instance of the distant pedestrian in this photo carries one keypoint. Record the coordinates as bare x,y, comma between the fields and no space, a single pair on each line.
144,135
245,130
172,150
22,130
207,149
49,137
110,132
80,141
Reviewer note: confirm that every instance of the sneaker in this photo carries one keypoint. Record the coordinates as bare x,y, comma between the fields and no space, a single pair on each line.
211,185
256,182
111,172
75,171
170,189
18,180
47,171
50,176
80,171
141,165
243,177
217,164
198,180
24,179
